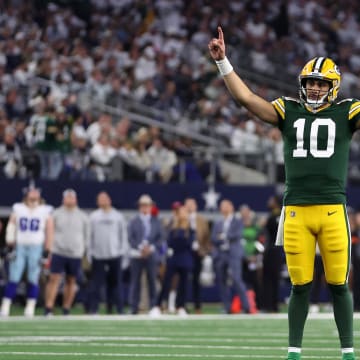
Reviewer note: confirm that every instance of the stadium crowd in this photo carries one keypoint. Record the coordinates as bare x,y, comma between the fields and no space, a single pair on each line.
150,57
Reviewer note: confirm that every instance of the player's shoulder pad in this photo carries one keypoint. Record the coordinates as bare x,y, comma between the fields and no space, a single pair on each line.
17,207
347,100
279,105
354,108
289,98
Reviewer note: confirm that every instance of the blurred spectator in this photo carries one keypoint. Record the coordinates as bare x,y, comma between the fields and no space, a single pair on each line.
162,160
45,136
70,242
201,247
107,248
64,125
13,106
145,237
97,128
77,164
147,93
175,206
145,67
180,240
113,98
143,160
101,154
10,155
244,137
131,166
96,84
169,100
122,129
252,249
228,256
273,259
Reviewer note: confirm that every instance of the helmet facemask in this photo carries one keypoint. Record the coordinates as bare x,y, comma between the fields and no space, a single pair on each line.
313,100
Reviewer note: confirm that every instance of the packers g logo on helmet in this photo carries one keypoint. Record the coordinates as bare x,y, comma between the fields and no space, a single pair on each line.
320,68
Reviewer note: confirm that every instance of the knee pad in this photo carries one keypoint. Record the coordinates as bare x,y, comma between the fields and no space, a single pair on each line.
300,275
336,273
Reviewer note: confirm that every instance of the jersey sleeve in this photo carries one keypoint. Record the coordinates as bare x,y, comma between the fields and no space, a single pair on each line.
354,114
279,106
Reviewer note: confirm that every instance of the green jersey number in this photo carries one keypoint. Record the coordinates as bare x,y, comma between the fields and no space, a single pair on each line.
299,125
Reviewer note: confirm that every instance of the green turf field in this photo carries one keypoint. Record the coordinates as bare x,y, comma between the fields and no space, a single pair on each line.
169,338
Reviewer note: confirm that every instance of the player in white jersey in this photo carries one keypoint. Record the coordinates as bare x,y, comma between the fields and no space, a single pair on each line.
30,232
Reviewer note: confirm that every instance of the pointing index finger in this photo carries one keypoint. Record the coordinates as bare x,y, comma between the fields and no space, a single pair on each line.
221,34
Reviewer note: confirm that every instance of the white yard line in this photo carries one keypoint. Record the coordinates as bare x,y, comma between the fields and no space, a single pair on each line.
265,338
80,354
82,339
173,346
321,316
228,341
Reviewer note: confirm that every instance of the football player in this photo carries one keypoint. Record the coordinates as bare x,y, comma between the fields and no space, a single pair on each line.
29,232
317,131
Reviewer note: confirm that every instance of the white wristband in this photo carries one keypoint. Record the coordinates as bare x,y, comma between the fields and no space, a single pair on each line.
224,66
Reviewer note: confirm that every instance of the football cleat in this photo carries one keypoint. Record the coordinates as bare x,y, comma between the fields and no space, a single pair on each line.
293,356
348,356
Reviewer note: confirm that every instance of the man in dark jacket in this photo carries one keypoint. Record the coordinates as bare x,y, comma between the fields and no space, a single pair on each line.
228,255
145,234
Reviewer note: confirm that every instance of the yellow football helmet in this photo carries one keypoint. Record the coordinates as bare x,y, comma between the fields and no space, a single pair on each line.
320,68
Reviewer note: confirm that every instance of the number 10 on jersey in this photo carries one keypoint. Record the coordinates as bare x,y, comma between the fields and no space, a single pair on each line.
301,152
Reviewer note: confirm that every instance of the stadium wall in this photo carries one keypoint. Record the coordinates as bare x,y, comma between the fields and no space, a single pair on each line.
125,194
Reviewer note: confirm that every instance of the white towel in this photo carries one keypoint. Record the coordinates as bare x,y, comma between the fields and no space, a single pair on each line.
280,231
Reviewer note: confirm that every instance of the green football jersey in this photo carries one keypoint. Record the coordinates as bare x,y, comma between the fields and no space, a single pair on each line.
45,134
316,150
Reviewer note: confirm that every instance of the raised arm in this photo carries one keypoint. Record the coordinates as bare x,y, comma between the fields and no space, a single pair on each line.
238,89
